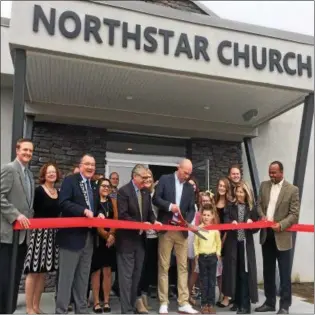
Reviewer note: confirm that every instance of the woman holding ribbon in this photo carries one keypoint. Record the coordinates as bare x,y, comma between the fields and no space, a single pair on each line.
42,254
239,264
104,252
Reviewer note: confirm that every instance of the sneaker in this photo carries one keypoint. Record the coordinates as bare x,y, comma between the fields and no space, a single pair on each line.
187,309
163,309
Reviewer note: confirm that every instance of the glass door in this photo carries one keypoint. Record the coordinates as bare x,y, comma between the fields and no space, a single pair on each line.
202,173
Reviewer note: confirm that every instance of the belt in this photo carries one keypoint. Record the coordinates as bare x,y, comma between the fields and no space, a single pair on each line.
207,255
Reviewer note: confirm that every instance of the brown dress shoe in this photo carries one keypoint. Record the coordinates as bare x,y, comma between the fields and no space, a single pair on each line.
145,302
204,309
141,309
211,310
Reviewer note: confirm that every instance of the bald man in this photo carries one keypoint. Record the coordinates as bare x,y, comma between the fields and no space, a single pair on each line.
174,195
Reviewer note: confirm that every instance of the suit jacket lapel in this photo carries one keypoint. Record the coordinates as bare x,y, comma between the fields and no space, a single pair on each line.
133,191
281,194
18,167
268,189
183,194
30,175
173,189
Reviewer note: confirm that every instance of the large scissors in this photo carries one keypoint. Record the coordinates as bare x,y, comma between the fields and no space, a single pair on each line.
183,223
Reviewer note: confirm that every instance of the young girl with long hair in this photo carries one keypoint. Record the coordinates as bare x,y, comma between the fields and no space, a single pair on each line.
221,199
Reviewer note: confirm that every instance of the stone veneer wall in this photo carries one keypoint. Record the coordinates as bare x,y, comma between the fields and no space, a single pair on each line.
222,154
183,5
65,144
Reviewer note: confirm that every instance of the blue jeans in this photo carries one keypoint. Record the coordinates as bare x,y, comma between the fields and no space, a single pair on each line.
207,276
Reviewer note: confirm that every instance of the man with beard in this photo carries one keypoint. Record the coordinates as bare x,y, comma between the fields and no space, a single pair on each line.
17,194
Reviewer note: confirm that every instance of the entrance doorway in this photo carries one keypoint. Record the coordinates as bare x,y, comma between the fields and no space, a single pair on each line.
123,163
159,170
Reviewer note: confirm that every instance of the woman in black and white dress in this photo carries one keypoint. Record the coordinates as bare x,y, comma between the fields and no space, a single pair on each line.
42,253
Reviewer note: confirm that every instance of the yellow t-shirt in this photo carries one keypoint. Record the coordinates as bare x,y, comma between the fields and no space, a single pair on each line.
210,246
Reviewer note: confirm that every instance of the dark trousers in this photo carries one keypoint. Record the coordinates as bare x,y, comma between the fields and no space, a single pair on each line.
207,276
271,254
149,273
115,286
242,297
5,266
129,265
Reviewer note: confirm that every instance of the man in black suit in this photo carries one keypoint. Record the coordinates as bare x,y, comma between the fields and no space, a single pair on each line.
134,204
174,195
78,198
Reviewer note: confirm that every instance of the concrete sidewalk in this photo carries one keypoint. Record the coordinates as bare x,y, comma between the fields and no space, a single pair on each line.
48,305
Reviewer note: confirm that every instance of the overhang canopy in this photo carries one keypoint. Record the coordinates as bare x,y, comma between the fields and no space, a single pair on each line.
123,65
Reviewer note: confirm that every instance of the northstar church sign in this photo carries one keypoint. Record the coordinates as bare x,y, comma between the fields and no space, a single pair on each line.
229,53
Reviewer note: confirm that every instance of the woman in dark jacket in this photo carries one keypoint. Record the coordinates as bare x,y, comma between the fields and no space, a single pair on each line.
239,265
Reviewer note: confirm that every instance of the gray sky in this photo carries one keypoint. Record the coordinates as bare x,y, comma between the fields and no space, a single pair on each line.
294,16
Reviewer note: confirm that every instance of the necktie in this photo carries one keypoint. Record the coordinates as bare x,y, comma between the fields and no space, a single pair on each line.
90,193
28,184
140,206
139,201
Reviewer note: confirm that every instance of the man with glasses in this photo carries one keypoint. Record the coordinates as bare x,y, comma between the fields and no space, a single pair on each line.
134,204
173,196
78,197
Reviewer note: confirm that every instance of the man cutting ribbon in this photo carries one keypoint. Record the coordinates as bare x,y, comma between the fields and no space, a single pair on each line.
174,197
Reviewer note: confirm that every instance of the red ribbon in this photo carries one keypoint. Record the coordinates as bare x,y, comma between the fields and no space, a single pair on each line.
59,223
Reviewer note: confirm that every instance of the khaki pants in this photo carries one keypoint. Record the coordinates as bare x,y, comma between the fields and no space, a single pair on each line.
167,241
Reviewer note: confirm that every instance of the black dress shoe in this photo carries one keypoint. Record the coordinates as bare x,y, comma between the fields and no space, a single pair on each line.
265,308
243,311
234,308
283,311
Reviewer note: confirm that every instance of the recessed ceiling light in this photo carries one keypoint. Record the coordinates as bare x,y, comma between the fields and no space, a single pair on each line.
206,107
129,98
129,149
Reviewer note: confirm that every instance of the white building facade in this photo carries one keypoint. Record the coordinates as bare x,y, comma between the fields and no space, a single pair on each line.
131,81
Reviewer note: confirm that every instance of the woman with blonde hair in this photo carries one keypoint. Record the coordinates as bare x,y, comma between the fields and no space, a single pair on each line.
239,264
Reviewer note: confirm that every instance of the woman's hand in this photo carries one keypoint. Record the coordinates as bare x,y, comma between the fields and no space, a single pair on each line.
110,240
101,216
249,221
196,259
234,222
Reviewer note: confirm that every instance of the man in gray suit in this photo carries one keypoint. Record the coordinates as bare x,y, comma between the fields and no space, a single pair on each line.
278,202
17,194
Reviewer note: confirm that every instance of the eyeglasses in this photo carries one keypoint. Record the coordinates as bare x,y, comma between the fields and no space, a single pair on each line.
88,164
105,186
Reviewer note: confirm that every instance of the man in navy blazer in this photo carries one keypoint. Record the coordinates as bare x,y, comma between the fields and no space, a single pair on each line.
174,195
78,197
134,205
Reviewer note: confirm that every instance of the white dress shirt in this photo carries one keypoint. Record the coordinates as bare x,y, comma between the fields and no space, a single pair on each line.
274,194
178,195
